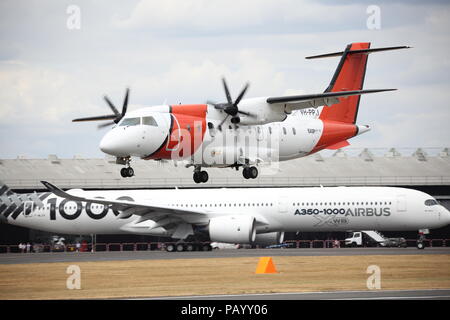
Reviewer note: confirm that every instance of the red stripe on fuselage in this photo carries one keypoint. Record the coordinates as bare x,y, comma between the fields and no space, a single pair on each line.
334,132
188,127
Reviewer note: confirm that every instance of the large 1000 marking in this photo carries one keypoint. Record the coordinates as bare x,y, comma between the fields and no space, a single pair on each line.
80,206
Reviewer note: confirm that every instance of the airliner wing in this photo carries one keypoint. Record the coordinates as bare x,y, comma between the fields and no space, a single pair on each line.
316,100
128,208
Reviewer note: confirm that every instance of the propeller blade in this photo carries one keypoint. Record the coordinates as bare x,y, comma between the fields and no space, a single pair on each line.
241,94
224,119
108,117
111,105
227,93
125,103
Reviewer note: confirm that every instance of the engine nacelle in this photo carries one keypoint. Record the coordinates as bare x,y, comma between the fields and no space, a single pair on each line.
232,229
270,238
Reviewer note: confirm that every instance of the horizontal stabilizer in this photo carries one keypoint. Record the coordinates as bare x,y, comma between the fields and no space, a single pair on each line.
322,96
338,54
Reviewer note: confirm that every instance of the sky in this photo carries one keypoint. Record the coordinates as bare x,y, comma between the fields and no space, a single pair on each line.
59,58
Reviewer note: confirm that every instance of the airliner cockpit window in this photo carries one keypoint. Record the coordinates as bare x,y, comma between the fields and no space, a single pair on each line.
431,202
130,122
149,121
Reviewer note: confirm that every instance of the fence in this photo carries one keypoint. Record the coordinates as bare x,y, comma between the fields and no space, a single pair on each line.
151,246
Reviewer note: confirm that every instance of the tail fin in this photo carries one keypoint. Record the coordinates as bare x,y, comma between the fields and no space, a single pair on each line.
348,76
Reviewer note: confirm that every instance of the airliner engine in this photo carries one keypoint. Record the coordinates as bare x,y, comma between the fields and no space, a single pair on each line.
233,229
271,238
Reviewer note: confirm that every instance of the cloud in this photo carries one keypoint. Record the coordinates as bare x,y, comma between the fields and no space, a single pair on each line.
249,16
177,51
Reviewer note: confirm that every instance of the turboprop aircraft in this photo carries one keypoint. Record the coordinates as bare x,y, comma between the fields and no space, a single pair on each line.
245,132
247,216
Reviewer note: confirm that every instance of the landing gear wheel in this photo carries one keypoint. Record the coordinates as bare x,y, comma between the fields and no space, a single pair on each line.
204,176
245,173
130,172
253,172
250,172
200,176
170,248
180,248
206,247
127,172
420,245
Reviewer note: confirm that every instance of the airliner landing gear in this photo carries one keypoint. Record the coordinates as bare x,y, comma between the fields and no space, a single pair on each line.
127,172
200,176
422,238
250,172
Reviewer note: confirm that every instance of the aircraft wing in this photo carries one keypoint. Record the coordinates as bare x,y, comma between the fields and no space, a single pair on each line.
316,100
128,208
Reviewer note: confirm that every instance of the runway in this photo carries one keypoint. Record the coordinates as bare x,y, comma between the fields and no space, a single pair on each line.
431,294
20,258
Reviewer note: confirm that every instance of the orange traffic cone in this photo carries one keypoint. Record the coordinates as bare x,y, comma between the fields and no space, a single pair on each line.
265,265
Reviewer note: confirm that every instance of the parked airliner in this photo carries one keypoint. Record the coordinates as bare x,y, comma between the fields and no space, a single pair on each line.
244,133
251,215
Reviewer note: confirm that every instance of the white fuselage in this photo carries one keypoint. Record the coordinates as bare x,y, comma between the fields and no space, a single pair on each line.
276,209
292,136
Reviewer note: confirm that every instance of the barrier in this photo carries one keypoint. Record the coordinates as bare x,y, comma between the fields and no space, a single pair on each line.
152,246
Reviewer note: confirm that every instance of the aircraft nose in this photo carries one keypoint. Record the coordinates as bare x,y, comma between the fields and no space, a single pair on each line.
110,145
445,215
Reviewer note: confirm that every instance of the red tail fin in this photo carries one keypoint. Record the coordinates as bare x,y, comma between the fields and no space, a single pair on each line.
349,75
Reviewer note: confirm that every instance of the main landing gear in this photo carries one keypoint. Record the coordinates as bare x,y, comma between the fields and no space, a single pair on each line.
250,172
200,176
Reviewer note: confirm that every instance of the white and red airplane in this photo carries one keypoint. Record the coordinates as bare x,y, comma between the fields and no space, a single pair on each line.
248,216
245,132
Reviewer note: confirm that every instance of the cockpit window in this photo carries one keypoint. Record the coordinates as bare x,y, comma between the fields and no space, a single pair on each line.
130,122
149,121
431,202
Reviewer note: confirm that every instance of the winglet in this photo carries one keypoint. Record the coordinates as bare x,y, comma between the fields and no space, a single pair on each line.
57,191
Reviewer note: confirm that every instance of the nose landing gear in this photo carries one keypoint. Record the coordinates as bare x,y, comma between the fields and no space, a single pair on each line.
127,172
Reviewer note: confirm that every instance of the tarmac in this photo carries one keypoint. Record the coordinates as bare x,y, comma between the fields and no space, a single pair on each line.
19,258
431,294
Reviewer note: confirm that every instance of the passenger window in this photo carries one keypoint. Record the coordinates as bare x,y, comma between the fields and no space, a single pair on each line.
293,131
149,121
130,122
284,130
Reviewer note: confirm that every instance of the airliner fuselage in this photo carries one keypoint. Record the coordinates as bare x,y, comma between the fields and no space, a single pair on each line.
180,212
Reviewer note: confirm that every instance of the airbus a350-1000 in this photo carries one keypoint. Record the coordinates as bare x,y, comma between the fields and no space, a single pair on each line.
247,216
244,133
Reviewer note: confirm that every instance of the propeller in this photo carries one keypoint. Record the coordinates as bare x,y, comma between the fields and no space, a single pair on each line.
231,108
116,117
